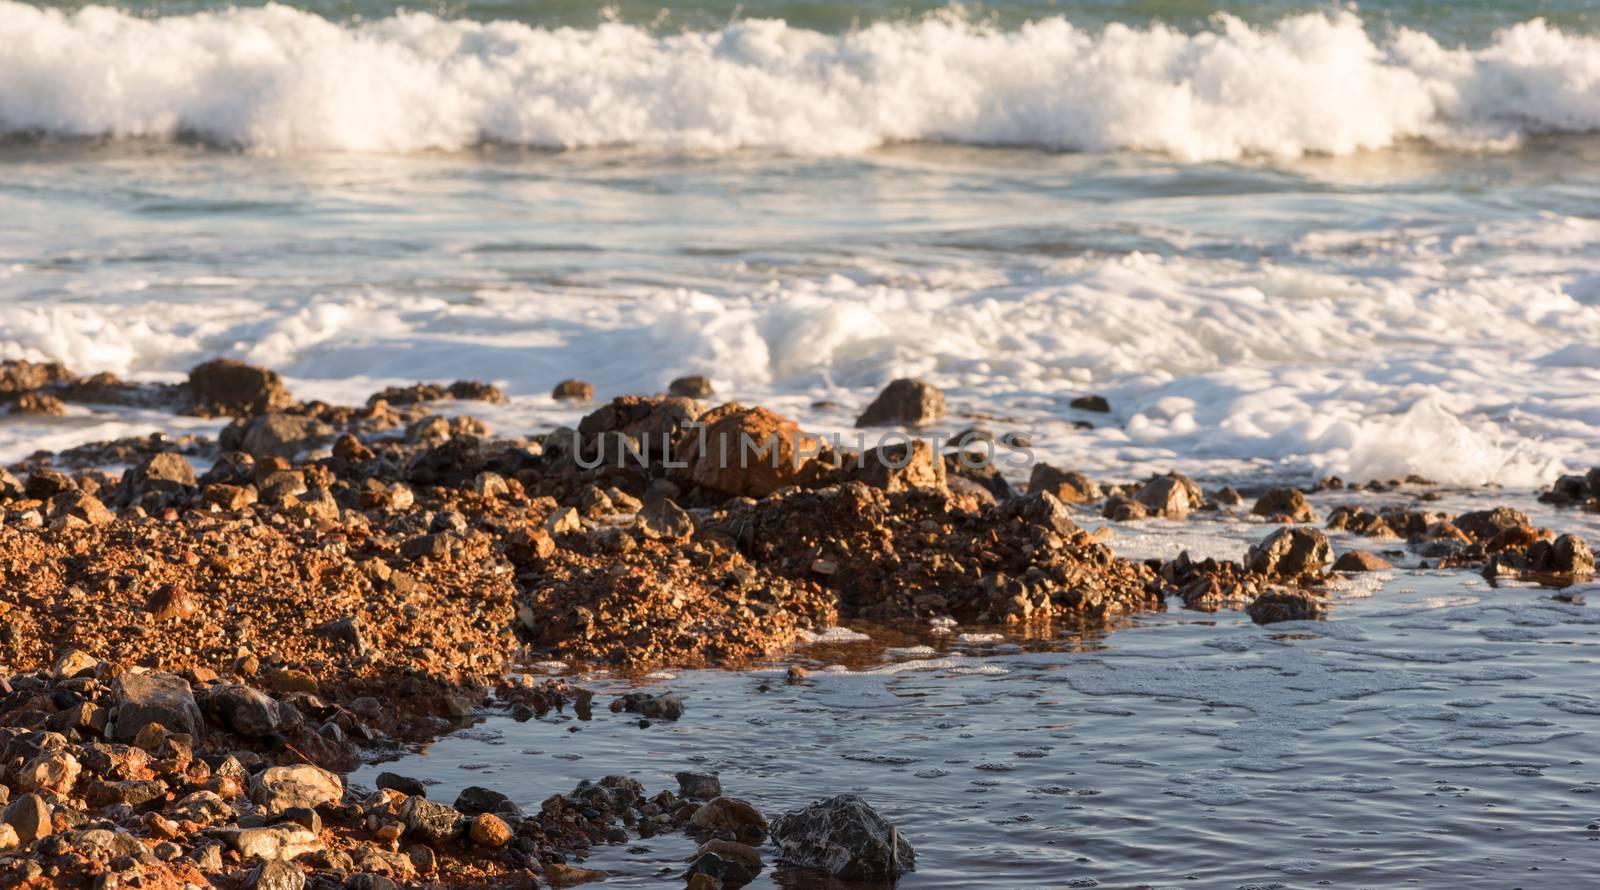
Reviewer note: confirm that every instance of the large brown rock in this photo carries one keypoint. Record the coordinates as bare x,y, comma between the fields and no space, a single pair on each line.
1290,552
225,387
1172,496
1284,505
749,452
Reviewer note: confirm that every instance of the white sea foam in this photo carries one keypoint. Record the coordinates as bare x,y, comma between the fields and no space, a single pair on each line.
277,79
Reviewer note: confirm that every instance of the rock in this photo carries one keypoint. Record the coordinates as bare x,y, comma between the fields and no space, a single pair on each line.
475,799
664,706
900,466
664,519
1281,604
280,788
1483,525
166,472
246,711
1284,505
693,387
1228,497
45,484
229,497
8,838
489,830
729,814
275,874
53,771
573,391
171,602
699,786
432,823
273,842
1290,552
276,435
1360,561
844,837
73,663
1097,404
80,508
29,817
404,784
1067,485
1572,556
163,699
560,875
905,401
233,388
748,452
565,521
1172,496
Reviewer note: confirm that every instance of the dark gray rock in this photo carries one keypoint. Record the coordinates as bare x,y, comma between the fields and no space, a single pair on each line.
844,837
151,697
699,786
905,401
246,711
432,823
275,874
475,799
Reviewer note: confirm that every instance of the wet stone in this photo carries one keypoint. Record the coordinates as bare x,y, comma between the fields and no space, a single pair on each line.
844,837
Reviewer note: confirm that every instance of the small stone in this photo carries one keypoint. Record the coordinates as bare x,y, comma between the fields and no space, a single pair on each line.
171,602
1572,556
1097,404
564,522
905,401
731,815
475,799
1172,496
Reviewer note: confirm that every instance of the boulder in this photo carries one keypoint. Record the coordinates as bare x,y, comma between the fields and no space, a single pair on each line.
1284,605
661,518
164,473
844,837
699,786
1360,561
489,830
905,401
573,391
275,874
475,799
163,699
1482,525
1172,496
729,814
1284,505
694,386
430,822
1067,485
244,710
899,466
1290,552
1572,556
233,388
275,435
29,817
748,452
279,788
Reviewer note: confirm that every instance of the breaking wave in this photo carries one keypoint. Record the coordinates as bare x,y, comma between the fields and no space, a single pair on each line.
276,79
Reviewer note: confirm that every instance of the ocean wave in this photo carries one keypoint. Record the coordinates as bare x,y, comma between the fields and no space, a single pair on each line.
276,79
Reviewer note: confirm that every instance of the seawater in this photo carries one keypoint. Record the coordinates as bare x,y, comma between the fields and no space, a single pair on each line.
1434,732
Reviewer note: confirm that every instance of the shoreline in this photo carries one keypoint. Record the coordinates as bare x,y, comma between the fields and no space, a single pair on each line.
341,582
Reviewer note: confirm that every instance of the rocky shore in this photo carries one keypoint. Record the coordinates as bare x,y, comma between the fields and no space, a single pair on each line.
201,637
